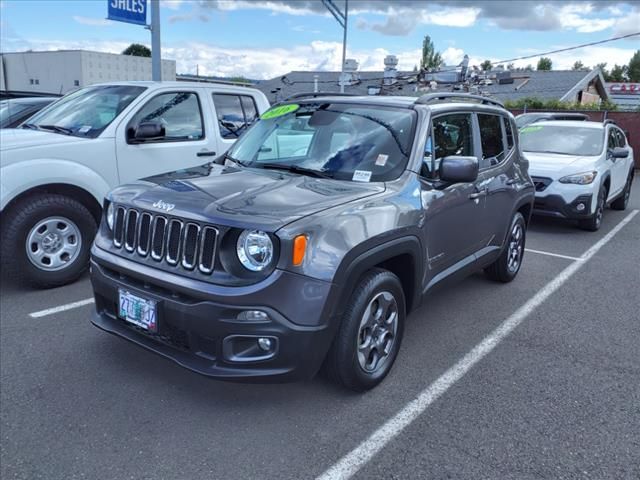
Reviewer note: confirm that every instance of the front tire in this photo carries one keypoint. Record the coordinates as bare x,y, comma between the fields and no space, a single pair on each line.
46,240
508,264
594,222
368,340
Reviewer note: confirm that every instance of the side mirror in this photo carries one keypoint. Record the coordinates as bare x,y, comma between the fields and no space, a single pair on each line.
147,131
456,169
620,152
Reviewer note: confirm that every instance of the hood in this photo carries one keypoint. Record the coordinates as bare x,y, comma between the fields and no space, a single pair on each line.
13,138
241,197
553,164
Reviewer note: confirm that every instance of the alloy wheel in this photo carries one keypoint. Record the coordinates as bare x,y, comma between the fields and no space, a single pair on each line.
516,246
377,332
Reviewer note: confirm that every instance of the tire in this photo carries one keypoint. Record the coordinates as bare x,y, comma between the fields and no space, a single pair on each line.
351,360
622,201
508,264
594,222
57,230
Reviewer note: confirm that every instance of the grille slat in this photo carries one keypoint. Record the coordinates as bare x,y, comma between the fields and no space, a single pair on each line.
130,233
186,245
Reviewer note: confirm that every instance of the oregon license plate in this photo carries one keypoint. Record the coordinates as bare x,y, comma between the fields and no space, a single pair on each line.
139,311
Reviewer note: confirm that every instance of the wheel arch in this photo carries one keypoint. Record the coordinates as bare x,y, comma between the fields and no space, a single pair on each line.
401,256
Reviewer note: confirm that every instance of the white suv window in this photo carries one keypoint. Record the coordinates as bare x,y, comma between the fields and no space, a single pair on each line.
178,112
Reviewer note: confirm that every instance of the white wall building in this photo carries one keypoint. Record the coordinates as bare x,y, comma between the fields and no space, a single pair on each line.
60,71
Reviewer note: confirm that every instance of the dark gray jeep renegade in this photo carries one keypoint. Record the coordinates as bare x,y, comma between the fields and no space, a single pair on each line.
311,240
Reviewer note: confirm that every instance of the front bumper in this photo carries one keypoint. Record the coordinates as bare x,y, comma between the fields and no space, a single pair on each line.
561,200
198,326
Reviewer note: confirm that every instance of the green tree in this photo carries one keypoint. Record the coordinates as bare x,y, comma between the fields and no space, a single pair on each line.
618,74
137,50
633,69
578,65
486,65
511,66
544,63
430,58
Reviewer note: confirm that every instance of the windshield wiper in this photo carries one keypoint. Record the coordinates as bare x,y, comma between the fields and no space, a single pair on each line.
550,151
57,129
30,126
235,160
296,169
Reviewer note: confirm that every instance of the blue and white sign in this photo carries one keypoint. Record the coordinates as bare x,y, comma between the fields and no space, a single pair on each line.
129,11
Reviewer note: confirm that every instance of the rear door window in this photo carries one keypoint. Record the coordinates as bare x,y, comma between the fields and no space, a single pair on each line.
235,113
493,150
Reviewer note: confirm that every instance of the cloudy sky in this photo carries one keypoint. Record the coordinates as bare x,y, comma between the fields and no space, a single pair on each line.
263,39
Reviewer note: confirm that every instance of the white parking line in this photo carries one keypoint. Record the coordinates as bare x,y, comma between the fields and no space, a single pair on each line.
351,463
540,252
61,308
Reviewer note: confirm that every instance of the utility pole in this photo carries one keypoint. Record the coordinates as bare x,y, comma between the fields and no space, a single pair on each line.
342,20
156,55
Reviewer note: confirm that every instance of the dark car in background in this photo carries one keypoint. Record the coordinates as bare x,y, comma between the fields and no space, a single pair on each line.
14,111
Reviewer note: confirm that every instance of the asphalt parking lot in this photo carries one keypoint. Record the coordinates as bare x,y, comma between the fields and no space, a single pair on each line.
534,379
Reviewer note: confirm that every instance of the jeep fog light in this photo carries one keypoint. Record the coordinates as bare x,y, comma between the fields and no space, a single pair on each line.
253,316
265,344
255,250
111,213
580,207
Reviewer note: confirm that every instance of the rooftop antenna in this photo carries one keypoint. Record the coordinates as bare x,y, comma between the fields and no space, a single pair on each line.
342,20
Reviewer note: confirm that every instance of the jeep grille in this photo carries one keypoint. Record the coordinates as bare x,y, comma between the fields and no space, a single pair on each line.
185,244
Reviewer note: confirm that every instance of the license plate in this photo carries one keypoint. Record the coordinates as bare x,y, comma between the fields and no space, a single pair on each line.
139,311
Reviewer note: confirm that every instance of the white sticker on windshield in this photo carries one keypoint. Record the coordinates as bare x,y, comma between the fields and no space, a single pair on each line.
381,161
84,129
361,176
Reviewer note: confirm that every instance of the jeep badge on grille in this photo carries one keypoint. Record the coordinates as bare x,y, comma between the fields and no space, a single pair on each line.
167,207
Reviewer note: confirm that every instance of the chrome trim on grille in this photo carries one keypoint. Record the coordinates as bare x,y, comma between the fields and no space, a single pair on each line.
158,255
201,264
185,242
118,226
143,250
187,245
130,246
174,260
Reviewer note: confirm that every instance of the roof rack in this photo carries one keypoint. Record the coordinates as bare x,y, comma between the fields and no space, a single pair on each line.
436,97
317,94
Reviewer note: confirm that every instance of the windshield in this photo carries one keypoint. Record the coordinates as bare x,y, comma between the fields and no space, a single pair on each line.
86,112
341,141
12,108
527,118
565,140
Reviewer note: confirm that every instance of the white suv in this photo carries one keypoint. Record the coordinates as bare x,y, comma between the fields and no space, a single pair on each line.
578,169
57,168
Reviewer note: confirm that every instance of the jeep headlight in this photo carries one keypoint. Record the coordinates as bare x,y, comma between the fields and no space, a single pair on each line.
255,250
580,178
111,215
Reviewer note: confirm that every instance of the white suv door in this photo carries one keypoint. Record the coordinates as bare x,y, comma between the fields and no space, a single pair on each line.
189,140
234,112
619,166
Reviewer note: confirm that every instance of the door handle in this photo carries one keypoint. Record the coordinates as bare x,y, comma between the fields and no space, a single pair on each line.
206,153
478,194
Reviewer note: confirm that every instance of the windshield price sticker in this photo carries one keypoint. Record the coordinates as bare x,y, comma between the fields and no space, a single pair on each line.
279,111
361,176
530,129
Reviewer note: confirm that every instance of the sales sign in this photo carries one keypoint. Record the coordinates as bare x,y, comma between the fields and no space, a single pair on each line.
129,11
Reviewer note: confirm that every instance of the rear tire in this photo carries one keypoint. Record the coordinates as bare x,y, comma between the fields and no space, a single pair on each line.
594,222
508,264
46,239
622,201
368,340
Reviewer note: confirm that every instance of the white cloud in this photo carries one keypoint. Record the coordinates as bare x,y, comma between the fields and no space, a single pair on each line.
573,18
172,4
628,24
452,17
92,21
